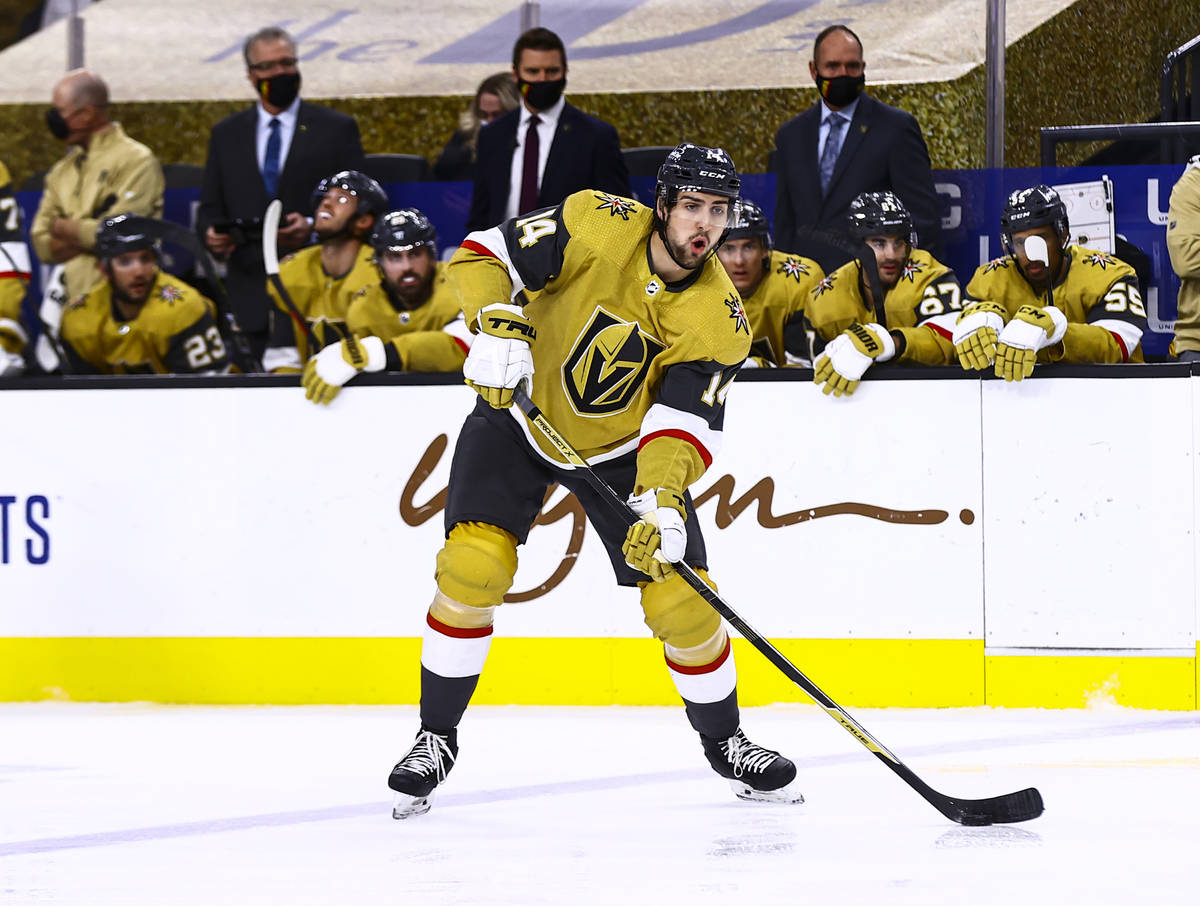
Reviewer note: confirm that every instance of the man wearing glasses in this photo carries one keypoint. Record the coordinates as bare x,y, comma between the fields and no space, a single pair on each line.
280,148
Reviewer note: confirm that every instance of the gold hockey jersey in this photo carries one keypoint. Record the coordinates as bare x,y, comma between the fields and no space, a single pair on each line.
14,268
175,332
1099,296
322,300
622,358
431,337
776,310
923,306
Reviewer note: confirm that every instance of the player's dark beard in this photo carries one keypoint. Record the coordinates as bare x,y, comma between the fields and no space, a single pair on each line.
408,299
120,295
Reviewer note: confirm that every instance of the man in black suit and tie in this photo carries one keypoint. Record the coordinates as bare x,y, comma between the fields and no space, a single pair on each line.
845,144
538,154
280,148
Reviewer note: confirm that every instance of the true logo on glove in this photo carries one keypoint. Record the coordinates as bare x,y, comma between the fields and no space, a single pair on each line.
501,325
354,354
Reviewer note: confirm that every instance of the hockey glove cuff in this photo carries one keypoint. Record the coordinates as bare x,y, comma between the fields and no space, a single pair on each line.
326,372
500,357
848,355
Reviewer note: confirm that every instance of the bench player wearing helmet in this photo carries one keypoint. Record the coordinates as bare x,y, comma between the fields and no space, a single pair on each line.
15,274
629,336
773,286
323,278
853,330
409,320
138,319
1081,305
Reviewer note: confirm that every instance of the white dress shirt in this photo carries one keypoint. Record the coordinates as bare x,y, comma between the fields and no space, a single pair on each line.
287,129
545,130
823,130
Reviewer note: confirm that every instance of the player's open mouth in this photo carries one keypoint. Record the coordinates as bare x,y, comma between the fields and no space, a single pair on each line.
699,245
409,280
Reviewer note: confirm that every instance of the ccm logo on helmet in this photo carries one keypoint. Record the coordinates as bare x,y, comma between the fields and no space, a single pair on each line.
711,174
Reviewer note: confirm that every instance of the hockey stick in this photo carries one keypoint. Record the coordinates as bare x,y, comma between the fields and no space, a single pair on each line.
270,252
231,330
1011,807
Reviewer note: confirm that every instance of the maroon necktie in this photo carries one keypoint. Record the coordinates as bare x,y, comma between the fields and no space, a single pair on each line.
529,175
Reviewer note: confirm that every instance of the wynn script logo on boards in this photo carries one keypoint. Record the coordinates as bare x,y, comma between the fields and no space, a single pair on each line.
721,492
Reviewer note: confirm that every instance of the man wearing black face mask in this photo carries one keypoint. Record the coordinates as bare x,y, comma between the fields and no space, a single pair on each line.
845,144
280,148
546,149
104,171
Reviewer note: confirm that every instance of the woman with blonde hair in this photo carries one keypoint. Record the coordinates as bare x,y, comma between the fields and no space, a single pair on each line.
495,96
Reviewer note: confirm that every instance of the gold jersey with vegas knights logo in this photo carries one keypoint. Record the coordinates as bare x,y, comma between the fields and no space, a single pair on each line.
430,337
322,300
776,309
621,357
923,306
14,269
1099,296
174,332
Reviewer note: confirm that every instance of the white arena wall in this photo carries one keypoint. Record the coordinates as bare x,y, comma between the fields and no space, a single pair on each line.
928,542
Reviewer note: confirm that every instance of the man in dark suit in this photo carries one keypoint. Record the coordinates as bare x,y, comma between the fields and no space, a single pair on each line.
546,149
280,148
845,144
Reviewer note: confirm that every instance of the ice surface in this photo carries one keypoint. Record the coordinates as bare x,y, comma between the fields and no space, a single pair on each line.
145,804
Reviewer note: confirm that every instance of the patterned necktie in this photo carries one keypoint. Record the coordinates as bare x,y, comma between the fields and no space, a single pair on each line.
833,144
271,160
529,173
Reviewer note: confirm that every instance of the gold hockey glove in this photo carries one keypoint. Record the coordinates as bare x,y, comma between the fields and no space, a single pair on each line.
659,538
975,334
1030,329
500,357
326,372
848,355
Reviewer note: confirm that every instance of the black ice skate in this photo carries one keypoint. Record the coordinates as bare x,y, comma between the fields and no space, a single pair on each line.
756,774
417,774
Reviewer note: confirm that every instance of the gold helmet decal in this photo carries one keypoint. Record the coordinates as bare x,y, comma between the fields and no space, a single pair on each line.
608,364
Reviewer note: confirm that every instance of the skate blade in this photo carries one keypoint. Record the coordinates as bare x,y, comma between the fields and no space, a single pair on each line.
782,796
405,806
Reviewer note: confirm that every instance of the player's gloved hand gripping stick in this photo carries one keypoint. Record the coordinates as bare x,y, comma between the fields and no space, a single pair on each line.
1011,807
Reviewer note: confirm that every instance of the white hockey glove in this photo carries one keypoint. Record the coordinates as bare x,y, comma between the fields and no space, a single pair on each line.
848,355
329,369
1030,329
500,357
975,334
11,364
659,538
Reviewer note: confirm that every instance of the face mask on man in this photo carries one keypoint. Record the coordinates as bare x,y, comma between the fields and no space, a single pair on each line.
542,95
840,90
280,89
57,124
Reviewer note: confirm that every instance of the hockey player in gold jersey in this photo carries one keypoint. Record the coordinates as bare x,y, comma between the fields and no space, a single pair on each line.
323,278
407,321
912,324
773,286
628,336
14,280
1063,304
139,320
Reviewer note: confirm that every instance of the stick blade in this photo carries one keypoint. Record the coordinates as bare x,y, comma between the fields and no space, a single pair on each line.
1023,805
270,236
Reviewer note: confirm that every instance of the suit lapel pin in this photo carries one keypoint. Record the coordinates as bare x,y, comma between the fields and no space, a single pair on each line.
863,128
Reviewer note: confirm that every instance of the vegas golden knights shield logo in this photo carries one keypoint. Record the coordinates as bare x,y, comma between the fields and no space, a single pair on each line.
608,364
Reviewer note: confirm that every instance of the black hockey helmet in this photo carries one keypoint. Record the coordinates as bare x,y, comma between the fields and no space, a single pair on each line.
752,223
881,214
1027,209
698,169
403,229
120,234
371,197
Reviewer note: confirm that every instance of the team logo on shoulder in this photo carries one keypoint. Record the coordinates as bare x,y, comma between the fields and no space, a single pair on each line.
170,294
616,207
608,364
911,269
1100,260
734,304
794,268
996,264
824,286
